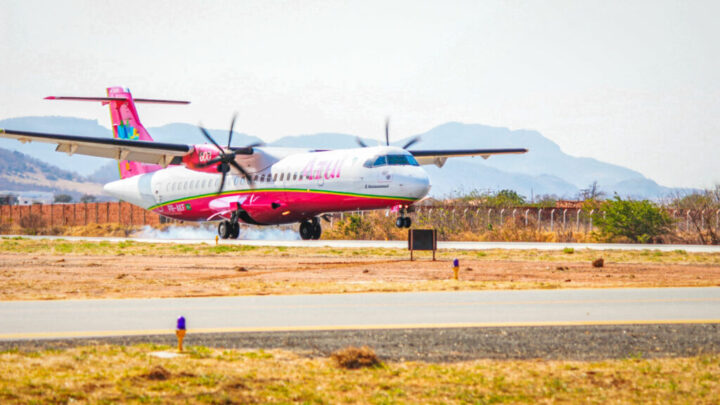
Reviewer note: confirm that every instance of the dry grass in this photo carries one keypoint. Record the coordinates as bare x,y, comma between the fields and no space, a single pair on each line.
353,358
133,248
57,269
109,374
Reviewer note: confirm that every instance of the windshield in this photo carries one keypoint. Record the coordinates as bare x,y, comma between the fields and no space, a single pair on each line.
393,160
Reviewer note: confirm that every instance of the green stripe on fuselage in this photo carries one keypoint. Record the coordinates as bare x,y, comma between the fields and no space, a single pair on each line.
301,190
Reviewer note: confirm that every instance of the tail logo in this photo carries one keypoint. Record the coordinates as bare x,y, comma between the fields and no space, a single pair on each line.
125,131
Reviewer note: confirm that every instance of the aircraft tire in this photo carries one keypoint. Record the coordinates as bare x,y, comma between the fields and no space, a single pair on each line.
407,222
224,229
234,230
306,230
316,231
400,222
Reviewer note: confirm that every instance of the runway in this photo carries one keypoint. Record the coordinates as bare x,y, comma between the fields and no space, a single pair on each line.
401,244
297,313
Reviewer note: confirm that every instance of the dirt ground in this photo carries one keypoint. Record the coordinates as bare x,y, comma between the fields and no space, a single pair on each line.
53,276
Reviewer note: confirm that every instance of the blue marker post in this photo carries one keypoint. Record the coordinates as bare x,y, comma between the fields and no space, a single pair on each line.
180,332
456,268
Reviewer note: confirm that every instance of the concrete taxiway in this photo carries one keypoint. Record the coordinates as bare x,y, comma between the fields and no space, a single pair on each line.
339,244
582,307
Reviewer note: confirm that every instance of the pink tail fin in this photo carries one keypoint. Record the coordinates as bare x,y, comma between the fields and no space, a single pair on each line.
125,123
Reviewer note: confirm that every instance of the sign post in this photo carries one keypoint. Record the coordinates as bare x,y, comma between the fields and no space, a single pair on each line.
422,239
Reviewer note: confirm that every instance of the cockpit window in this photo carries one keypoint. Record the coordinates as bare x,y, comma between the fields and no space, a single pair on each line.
394,160
402,160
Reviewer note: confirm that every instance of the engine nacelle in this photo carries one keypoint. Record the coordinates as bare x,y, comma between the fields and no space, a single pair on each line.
202,154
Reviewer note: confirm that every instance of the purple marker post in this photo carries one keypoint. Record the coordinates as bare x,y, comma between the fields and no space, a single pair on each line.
180,332
456,268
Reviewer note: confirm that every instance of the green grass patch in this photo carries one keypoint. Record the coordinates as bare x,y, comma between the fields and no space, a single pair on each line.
119,374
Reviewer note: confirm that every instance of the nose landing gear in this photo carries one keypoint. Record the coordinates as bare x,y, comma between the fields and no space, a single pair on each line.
403,221
310,229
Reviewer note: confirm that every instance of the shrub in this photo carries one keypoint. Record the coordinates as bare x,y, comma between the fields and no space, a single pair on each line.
32,223
356,357
639,221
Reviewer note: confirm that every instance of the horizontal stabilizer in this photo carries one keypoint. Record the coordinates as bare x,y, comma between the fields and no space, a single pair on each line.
108,99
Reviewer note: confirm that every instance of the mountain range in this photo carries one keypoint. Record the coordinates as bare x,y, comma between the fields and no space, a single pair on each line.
544,170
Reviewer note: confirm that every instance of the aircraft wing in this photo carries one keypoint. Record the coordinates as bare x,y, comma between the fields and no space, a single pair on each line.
438,157
121,149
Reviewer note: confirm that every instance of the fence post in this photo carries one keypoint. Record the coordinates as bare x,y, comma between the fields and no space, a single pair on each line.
119,212
539,218
488,221
687,221
97,215
702,220
74,215
577,220
590,221
502,211
527,211
514,211
552,219
51,215
564,218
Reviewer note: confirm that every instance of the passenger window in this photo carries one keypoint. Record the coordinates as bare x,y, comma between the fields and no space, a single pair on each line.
255,179
294,176
281,176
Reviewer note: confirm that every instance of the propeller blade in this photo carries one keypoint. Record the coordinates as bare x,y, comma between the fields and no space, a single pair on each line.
222,182
387,131
360,142
209,138
411,142
232,125
241,170
256,144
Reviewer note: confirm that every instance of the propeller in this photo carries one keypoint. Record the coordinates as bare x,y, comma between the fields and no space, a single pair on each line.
409,143
227,156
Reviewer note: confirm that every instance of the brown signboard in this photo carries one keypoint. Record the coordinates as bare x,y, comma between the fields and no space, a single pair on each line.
422,239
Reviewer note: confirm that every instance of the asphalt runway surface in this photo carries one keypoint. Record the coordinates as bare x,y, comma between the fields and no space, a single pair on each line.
439,326
403,244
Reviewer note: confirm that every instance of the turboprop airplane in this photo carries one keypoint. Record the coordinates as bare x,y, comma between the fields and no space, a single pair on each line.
254,184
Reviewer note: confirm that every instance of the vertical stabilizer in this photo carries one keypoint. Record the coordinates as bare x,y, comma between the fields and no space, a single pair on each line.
126,125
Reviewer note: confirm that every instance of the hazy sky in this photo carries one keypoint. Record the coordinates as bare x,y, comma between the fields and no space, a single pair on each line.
635,83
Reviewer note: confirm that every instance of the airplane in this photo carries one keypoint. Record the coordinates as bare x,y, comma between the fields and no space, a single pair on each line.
253,184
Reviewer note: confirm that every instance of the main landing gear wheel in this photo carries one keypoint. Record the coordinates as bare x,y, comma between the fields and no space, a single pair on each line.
224,229
234,230
407,222
306,230
316,230
310,229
